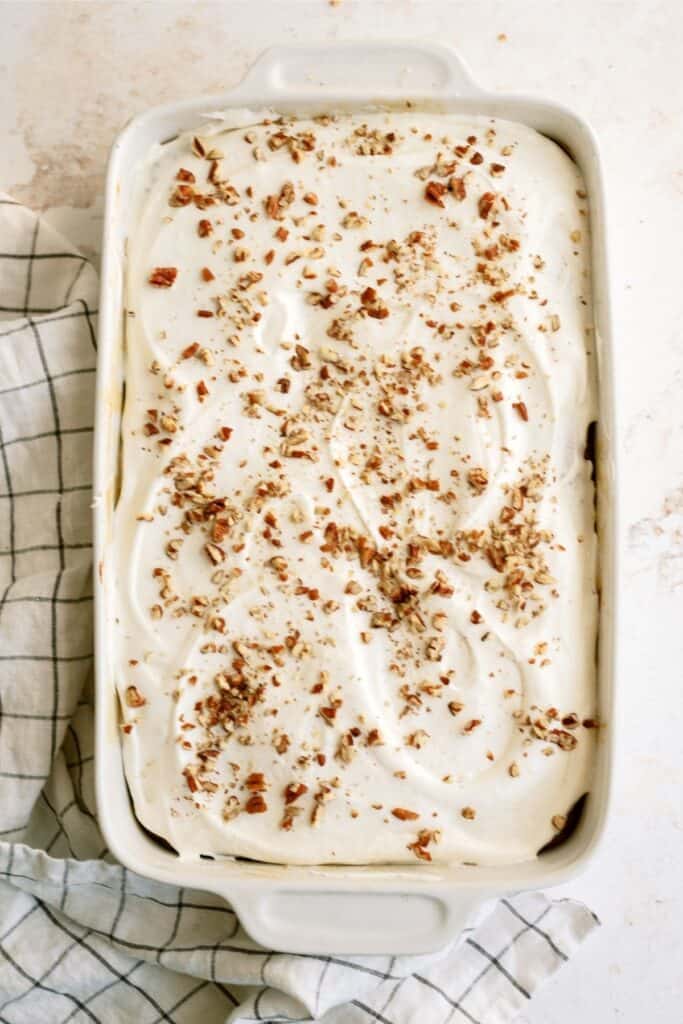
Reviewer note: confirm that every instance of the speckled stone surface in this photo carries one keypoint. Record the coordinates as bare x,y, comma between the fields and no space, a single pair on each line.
72,76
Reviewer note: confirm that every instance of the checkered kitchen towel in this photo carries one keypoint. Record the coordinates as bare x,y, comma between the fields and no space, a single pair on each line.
81,939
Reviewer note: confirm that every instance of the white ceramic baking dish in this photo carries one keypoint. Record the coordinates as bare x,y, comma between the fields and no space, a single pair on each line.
326,910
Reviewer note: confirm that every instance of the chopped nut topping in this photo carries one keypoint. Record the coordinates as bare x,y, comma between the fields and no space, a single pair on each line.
458,188
256,805
353,220
134,698
434,190
424,838
486,203
294,790
403,814
256,783
276,206
163,277
478,479
418,739
181,196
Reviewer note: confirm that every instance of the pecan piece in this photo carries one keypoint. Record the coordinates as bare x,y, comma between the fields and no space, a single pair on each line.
181,196
478,479
256,783
457,187
420,851
434,190
302,358
192,784
275,206
434,648
215,553
134,698
294,790
163,277
486,202
403,814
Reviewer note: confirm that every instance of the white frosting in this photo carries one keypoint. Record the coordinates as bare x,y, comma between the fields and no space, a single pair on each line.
515,780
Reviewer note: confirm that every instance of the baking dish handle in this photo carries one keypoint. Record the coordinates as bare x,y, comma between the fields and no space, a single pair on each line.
358,69
352,922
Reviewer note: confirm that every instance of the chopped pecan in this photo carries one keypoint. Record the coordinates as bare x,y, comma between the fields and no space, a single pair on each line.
301,360
181,196
457,187
163,277
434,190
275,206
294,790
403,814
256,783
134,698
434,648
478,479
486,202
215,553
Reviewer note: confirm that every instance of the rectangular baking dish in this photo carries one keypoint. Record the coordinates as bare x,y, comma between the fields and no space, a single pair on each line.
330,910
